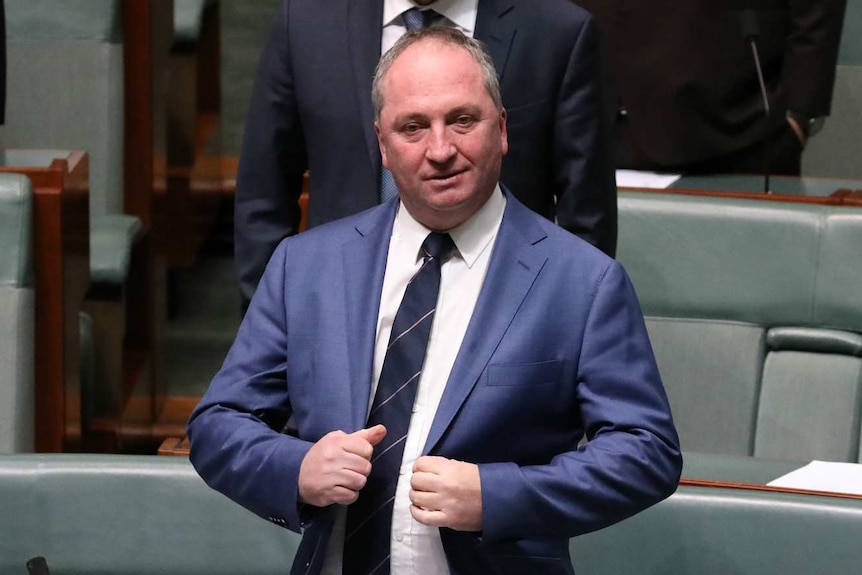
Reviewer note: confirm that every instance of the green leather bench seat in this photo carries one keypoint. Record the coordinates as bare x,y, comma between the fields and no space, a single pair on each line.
17,309
138,515
729,532
754,312
129,515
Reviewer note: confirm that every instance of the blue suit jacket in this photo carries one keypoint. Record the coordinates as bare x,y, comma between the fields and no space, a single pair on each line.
556,350
311,109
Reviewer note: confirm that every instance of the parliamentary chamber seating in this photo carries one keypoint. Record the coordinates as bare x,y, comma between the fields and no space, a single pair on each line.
17,309
754,312
137,515
65,92
67,76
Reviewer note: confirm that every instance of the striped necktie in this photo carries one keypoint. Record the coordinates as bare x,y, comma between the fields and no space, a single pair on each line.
369,519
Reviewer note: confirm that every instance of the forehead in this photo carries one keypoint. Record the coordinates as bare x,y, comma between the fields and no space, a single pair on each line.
434,69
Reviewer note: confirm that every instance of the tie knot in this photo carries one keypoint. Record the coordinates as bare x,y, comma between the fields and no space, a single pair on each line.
438,246
416,18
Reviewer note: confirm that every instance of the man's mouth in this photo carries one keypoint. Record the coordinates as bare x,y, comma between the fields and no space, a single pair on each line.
447,176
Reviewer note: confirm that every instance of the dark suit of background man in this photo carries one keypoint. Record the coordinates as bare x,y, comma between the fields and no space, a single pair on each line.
536,342
687,82
311,108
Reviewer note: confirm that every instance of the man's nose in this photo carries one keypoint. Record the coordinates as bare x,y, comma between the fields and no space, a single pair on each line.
441,148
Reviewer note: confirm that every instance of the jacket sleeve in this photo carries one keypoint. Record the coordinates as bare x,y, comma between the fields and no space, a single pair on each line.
272,161
583,165
811,54
631,458
235,431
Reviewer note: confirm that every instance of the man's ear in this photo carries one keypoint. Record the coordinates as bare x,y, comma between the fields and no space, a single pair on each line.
380,144
504,135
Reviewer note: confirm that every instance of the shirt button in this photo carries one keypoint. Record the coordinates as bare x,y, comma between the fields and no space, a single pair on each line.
399,538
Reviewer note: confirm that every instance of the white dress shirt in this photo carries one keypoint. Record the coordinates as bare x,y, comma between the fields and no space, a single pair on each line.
416,548
460,14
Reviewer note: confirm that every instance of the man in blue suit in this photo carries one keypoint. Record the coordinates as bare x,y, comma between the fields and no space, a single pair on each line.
311,110
536,343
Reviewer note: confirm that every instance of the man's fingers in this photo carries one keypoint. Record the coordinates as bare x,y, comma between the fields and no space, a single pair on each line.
343,495
337,463
429,518
430,464
425,499
424,481
350,479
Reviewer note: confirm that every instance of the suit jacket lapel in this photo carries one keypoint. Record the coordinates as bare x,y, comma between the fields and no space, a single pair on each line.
515,265
364,20
364,267
495,26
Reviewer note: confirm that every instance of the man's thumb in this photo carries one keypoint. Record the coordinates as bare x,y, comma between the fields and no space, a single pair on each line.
372,435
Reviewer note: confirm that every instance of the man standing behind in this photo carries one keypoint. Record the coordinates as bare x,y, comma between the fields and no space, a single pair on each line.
689,99
311,109
443,356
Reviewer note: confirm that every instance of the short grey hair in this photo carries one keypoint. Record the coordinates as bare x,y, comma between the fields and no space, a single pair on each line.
443,35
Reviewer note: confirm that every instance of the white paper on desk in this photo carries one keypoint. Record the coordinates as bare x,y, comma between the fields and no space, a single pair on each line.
824,476
639,179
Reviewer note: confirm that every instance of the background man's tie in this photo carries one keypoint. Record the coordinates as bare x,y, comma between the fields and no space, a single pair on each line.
413,19
369,519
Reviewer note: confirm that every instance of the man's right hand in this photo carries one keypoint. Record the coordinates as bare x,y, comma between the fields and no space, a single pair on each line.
335,469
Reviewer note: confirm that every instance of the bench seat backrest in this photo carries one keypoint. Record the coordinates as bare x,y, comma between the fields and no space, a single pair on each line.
65,87
754,310
17,315
729,531
129,515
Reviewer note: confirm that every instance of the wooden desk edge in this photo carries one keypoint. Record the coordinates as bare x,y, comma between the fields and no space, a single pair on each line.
837,198
694,482
175,447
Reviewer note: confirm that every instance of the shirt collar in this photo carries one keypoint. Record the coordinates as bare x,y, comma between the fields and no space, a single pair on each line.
461,12
471,238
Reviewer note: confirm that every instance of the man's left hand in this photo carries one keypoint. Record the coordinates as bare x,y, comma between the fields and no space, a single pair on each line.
446,493
797,129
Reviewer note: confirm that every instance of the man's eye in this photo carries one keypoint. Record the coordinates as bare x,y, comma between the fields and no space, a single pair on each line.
410,128
465,121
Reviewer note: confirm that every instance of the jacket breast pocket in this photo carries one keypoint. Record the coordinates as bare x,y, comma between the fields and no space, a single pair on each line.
512,374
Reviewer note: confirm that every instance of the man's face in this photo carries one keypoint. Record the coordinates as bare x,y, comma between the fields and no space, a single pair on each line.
440,134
